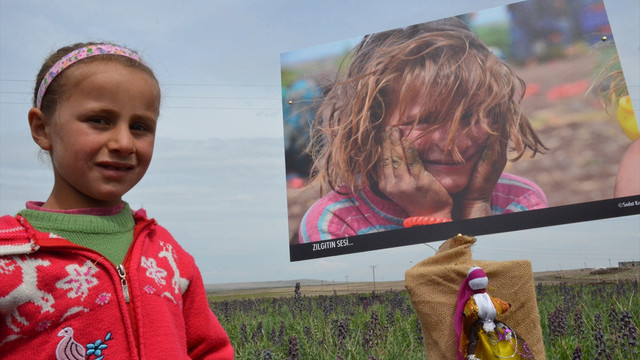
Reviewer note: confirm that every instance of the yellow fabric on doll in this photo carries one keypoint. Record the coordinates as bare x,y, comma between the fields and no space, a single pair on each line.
489,348
471,316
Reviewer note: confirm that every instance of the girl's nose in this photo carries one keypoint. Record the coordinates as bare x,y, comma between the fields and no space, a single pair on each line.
439,138
440,134
121,140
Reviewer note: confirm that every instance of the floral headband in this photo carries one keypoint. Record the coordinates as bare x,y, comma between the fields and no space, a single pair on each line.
77,55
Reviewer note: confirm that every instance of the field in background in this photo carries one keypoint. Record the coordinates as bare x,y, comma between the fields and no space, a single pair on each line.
318,287
328,288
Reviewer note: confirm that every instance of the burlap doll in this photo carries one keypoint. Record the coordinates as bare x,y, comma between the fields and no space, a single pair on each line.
434,284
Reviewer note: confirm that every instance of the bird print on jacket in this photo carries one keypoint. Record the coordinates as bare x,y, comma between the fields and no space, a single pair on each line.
69,349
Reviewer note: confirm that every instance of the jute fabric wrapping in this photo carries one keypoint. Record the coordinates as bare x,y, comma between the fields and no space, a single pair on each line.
433,286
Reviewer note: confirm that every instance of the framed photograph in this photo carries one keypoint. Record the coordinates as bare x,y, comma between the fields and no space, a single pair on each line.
504,119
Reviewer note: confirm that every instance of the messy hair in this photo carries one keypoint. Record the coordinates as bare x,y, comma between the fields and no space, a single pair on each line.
442,66
55,90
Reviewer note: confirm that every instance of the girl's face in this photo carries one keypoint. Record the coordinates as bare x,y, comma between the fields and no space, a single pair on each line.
101,135
454,175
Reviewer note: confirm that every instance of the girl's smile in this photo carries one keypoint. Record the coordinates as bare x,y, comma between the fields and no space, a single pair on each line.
101,135
115,169
454,176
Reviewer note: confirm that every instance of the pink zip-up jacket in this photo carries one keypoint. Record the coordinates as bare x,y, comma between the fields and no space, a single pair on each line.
59,300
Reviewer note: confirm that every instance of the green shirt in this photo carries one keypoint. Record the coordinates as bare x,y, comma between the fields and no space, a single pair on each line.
111,235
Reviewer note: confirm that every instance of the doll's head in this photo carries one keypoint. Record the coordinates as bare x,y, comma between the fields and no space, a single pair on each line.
95,112
432,79
477,279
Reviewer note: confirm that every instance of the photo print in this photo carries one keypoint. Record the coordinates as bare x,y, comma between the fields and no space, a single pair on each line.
509,118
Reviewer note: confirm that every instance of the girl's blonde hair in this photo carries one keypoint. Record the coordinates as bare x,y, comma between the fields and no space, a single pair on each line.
458,81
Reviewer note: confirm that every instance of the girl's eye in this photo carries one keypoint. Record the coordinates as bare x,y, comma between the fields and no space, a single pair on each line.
141,127
138,127
414,127
426,121
423,126
98,121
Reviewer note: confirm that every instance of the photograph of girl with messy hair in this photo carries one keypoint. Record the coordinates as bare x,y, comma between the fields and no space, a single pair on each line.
426,126
417,131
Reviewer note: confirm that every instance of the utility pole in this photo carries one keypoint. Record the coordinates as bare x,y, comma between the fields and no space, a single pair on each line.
373,268
347,278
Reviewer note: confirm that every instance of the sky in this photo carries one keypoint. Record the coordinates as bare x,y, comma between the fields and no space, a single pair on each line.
217,179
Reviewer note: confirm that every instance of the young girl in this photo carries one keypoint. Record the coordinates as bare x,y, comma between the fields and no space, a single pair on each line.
81,275
416,132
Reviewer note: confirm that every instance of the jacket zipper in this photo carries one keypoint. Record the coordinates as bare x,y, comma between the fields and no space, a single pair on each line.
122,273
121,268
123,281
